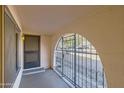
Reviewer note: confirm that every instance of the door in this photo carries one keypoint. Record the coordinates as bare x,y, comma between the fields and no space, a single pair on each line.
9,51
31,51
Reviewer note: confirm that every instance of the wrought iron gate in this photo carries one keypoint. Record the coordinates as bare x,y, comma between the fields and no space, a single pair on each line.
78,62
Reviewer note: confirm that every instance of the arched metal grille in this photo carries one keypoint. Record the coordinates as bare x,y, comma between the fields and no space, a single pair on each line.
78,62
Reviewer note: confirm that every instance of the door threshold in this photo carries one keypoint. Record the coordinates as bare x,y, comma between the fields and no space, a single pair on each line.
35,72
32,68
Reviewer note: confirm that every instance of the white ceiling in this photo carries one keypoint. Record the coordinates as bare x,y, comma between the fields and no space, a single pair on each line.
48,19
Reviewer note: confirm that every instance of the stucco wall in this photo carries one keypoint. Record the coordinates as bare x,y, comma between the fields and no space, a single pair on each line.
0,45
15,15
105,30
45,51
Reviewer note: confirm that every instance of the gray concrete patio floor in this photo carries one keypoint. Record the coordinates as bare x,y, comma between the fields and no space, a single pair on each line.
47,79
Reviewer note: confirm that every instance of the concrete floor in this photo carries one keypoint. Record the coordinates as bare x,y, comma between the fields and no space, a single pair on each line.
47,79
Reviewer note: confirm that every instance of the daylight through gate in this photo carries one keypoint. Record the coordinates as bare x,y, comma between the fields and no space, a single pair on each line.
77,61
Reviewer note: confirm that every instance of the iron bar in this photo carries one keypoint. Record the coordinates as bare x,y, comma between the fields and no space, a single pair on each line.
79,62
75,60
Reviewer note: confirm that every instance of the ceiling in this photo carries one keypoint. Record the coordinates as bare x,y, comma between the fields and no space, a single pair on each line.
49,19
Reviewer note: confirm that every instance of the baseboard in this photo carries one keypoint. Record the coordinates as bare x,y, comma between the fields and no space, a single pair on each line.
18,79
31,68
34,72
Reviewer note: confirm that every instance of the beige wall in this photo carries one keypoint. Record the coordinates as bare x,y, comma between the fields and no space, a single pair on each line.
105,30
15,15
45,51
0,45
20,51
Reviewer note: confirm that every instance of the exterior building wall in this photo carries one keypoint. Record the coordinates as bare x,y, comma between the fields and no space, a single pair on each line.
0,46
105,30
11,76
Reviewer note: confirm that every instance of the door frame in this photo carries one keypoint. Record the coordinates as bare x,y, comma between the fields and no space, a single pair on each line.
39,53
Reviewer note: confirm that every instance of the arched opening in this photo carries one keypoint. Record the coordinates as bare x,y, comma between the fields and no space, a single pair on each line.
78,63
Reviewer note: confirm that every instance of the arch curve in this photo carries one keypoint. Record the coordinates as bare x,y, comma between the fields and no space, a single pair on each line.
77,60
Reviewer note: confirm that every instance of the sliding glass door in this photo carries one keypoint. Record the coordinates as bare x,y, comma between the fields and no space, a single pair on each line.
11,64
